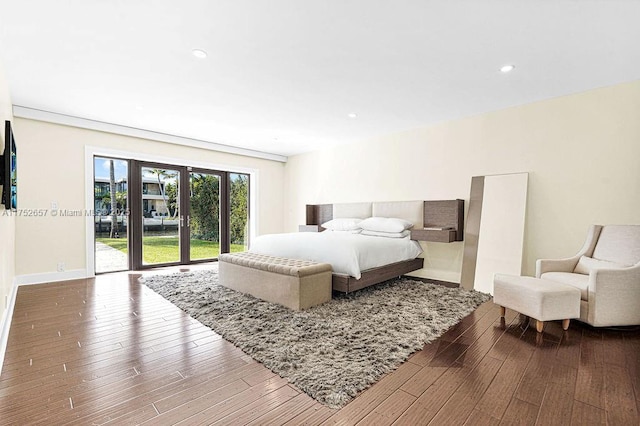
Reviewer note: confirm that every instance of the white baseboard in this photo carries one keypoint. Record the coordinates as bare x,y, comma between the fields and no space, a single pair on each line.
49,277
5,324
448,276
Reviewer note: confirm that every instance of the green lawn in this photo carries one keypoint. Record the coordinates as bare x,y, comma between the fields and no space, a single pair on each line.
166,249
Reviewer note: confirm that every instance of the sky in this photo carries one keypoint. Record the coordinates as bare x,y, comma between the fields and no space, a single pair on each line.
101,167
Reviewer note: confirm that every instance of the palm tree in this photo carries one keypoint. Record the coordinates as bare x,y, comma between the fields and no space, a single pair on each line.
114,202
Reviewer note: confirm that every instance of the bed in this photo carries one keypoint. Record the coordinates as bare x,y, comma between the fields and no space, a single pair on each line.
357,260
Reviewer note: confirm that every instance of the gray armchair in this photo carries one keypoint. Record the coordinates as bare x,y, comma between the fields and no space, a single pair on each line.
606,271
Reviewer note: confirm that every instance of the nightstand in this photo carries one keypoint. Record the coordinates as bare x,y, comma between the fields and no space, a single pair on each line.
443,222
436,235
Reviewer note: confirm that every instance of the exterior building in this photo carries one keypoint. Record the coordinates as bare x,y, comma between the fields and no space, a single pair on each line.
153,203
155,207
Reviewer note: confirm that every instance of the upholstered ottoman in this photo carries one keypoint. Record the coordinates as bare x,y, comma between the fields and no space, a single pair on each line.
294,283
536,298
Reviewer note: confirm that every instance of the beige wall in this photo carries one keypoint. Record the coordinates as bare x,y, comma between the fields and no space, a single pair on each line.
581,152
52,168
7,222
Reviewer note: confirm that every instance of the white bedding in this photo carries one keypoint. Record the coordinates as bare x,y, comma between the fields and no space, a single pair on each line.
347,253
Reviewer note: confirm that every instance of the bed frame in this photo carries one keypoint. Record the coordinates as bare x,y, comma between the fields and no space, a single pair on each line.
346,283
412,211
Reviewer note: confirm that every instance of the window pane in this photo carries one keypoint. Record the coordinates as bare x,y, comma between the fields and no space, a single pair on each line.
204,216
110,214
239,206
160,216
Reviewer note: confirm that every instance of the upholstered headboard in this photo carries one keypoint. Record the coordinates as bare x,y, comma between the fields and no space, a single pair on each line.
357,210
412,211
433,220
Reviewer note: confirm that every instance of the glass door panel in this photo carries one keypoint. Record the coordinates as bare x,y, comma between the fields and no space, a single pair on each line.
160,215
185,215
110,200
204,215
239,214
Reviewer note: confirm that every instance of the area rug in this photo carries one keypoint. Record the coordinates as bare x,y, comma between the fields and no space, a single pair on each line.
332,351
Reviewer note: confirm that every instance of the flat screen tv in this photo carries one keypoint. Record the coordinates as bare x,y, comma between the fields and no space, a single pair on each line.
10,177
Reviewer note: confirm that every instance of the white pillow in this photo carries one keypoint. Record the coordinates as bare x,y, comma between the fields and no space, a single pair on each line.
342,224
587,264
385,224
402,234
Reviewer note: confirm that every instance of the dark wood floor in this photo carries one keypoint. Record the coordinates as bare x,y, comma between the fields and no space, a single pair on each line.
110,350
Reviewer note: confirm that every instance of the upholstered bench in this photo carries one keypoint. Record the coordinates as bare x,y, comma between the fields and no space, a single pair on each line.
537,298
296,284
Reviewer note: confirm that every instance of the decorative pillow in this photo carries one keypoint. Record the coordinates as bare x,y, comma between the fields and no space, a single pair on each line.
587,264
385,224
342,224
402,234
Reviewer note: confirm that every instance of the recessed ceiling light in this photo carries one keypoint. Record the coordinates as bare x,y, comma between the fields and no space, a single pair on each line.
352,115
507,68
199,53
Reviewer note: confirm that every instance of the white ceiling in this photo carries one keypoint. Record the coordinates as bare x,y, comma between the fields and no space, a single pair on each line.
283,75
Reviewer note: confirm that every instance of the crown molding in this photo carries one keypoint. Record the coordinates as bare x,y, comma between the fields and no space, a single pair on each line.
84,123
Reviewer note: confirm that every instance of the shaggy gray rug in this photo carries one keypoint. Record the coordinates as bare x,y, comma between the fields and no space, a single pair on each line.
332,351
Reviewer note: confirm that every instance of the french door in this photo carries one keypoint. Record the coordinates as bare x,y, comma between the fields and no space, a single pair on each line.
178,214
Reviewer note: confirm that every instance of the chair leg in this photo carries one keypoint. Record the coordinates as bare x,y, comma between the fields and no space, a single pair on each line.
503,311
539,326
565,324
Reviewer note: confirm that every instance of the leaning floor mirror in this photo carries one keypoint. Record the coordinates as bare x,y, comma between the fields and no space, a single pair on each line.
494,233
